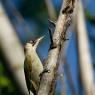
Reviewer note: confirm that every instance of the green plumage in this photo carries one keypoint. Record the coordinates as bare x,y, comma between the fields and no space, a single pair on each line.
32,68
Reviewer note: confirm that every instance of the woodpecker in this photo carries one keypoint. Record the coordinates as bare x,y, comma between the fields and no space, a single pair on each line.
33,66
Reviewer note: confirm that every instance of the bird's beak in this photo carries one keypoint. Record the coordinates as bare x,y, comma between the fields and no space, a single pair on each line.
37,42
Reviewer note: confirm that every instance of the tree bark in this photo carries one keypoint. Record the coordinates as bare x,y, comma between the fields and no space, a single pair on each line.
62,24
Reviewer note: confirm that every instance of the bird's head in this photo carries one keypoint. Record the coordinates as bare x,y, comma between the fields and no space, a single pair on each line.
32,44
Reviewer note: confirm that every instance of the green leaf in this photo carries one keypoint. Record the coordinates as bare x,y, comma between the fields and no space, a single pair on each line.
4,81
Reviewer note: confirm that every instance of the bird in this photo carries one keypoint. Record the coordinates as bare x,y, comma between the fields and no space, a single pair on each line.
33,66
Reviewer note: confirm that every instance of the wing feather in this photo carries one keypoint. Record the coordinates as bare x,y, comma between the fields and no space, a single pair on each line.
27,71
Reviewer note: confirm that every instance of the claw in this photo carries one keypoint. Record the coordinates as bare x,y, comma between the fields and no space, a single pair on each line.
44,71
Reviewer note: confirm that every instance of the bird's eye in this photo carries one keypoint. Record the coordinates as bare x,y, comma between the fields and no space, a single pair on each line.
33,42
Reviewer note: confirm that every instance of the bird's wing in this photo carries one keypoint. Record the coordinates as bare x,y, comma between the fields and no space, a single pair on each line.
27,71
33,90
27,76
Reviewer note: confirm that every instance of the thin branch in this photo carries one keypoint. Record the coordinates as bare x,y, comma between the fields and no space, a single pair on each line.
51,10
62,24
85,63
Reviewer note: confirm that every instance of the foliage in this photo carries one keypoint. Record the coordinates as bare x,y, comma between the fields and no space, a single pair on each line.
7,87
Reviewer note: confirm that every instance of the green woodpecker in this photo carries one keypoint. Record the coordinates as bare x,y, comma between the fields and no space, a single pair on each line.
32,66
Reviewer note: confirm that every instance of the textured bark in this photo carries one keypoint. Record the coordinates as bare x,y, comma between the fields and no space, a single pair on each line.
59,36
